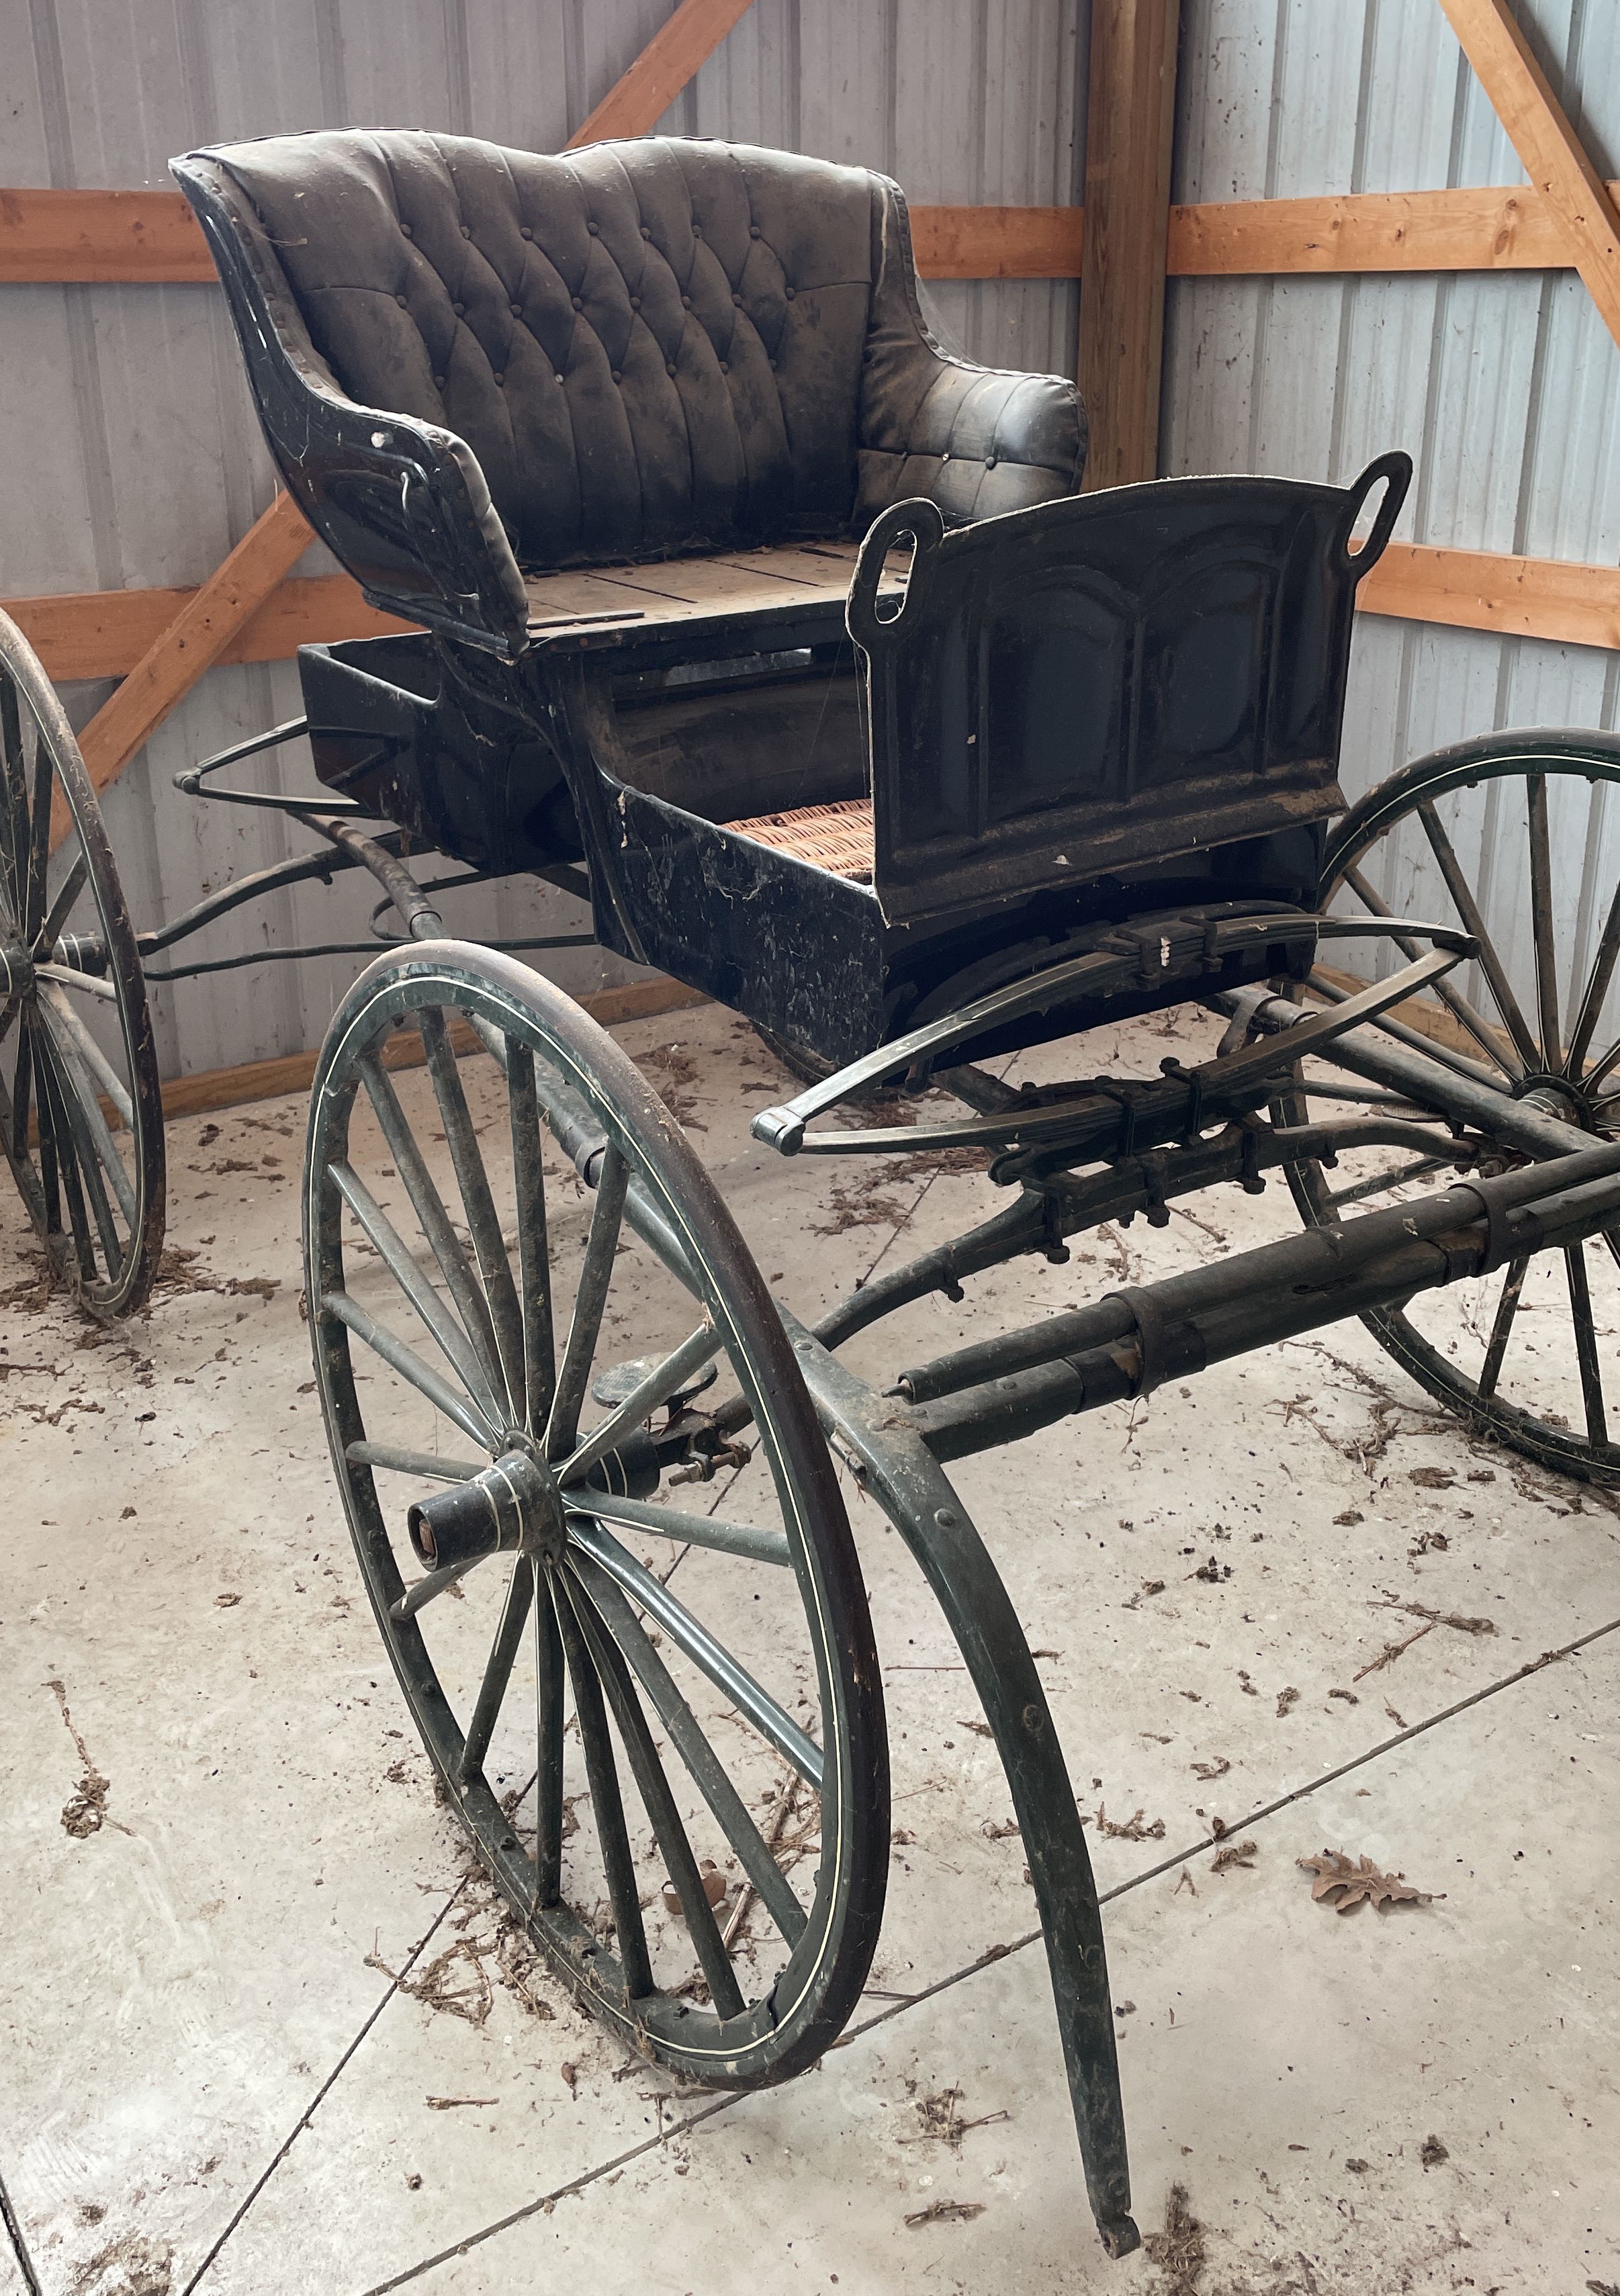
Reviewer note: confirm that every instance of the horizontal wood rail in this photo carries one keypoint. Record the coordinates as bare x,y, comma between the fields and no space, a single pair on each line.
152,236
105,633
82,634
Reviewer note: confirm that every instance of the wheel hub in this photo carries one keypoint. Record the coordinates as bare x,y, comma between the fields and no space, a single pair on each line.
16,971
1557,1095
511,1504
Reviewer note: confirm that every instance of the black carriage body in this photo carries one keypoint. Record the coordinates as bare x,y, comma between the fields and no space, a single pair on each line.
698,397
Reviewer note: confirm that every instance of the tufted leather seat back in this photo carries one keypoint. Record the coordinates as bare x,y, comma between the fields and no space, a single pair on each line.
649,347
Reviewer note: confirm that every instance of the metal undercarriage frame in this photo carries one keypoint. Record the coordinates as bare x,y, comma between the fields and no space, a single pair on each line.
1127,1342
1080,1154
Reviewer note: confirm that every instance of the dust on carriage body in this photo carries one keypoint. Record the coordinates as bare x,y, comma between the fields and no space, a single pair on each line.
730,585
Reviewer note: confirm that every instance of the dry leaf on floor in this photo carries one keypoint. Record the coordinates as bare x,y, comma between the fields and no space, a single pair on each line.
1431,1479
715,1886
1287,1698
1218,1768
1432,2152
1132,1830
1334,1870
1234,1853
1179,2249
946,2213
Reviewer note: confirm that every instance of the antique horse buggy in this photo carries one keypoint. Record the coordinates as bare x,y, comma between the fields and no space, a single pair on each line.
742,609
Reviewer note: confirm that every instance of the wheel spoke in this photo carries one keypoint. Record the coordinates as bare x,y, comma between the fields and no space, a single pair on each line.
90,1053
458,1349
694,1530
410,1366
429,1588
1474,1022
1506,1307
86,984
1419,1169
66,1154
1586,1343
72,886
643,1398
1541,922
86,1108
607,1805
709,1656
533,1251
426,1465
497,1673
483,1225
748,1844
1468,909
14,806
597,1273
39,842
1596,989
548,1728
432,1217
659,1803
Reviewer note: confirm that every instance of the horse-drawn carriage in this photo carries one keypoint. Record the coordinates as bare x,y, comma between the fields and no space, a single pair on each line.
742,610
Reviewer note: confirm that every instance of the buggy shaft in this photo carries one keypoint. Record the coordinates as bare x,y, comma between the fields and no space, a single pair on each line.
1131,1340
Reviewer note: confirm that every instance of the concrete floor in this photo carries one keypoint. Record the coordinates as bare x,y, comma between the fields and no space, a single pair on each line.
217,1837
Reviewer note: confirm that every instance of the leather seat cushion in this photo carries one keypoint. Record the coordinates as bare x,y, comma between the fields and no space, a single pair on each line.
648,347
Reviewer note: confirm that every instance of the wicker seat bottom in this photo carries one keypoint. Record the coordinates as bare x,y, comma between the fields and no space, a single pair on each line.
837,837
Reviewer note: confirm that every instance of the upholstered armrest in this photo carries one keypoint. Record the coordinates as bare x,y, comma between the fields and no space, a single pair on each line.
401,503
976,440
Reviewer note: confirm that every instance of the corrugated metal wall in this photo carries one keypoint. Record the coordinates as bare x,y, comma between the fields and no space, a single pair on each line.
128,453
1504,387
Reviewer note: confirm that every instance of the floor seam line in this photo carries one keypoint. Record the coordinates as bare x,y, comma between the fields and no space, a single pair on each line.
321,2095
547,2201
20,2248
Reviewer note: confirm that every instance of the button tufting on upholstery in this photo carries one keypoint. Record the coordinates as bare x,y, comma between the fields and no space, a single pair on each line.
857,405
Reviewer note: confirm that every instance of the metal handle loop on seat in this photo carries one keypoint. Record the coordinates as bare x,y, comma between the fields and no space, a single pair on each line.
922,521
1396,469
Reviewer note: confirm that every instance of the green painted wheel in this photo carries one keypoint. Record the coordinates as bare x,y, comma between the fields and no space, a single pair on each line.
637,1650
1516,838
81,1115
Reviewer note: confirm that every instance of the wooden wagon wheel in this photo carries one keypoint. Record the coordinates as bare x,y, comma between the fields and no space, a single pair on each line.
1469,836
81,1111
656,1710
